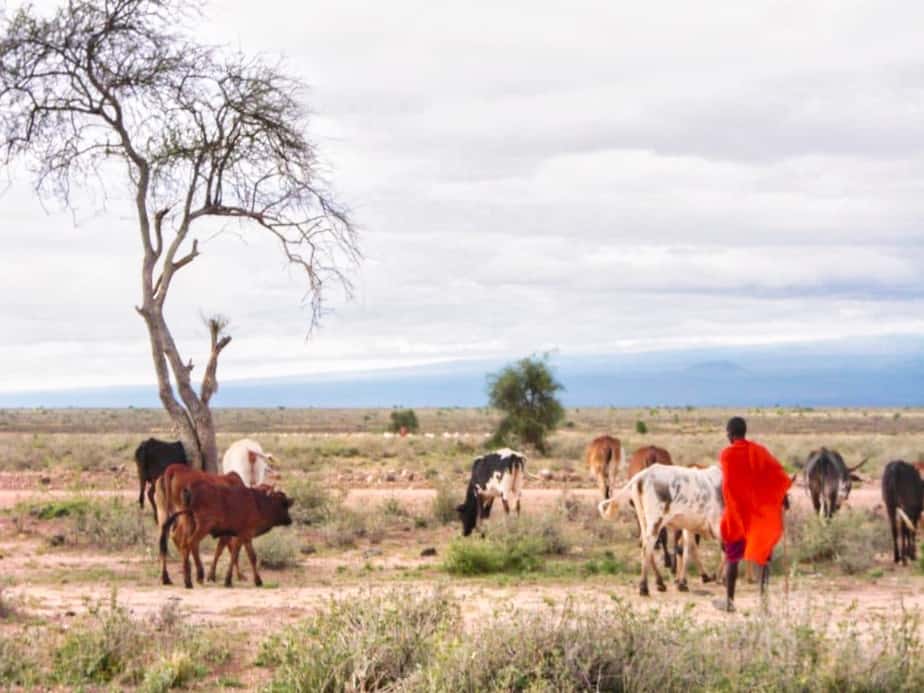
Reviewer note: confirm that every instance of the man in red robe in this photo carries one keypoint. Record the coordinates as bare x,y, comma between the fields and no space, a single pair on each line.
754,487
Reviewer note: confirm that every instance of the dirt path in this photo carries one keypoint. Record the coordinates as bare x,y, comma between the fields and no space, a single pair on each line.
418,499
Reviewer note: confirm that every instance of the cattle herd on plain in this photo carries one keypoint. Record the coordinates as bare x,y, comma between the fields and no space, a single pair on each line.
238,504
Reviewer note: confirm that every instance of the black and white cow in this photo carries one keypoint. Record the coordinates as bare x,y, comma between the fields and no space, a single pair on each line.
499,474
153,457
671,497
829,480
903,495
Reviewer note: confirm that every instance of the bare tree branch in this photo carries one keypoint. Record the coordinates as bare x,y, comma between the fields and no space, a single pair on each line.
106,88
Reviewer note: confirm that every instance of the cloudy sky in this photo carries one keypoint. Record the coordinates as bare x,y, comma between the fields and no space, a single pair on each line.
591,177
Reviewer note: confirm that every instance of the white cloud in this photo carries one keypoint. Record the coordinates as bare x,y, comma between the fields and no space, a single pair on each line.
597,177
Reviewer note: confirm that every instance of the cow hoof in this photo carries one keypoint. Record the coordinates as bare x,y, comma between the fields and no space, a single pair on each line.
188,585
662,587
708,578
258,582
166,581
643,590
227,583
682,587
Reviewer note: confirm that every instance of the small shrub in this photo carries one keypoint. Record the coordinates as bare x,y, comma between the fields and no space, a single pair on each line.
311,502
403,418
277,549
392,507
608,564
174,671
641,427
510,547
850,540
444,504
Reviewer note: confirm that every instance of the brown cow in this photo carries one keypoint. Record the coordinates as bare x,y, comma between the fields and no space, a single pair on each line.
168,491
223,511
645,457
604,456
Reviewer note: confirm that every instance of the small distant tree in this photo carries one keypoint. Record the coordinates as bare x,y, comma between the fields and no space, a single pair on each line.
404,418
641,427
526,393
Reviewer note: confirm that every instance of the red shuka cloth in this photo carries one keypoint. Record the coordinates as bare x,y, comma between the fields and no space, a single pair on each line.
753,487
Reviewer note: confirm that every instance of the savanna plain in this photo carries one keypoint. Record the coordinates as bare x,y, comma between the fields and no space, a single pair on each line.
373,588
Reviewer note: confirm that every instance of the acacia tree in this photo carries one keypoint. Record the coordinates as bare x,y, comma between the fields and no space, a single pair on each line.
111,90
526,393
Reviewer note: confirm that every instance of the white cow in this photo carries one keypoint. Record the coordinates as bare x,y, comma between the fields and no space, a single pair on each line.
676,498
247,458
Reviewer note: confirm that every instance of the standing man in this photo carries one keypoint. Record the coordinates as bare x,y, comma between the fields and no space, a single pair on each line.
754,486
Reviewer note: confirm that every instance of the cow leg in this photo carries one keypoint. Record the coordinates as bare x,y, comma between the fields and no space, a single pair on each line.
200,569
235,552
518,506
164,576
151,499
662,540
187,567
894,527
222,543
913,544
237,567
252,555
682,558
643,583
506,506
659,581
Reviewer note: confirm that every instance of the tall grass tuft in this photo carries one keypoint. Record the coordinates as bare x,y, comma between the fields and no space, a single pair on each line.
361,644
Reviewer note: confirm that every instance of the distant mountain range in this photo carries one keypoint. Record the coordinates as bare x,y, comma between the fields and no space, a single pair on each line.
882,372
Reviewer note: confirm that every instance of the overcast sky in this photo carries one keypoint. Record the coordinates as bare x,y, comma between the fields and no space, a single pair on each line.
592,177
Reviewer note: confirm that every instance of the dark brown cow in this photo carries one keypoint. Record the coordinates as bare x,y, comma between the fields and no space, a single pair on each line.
604,456
223,511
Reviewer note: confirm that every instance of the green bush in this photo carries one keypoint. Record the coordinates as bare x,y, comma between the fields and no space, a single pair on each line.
277,549
526,393
641,427
403,418
509,547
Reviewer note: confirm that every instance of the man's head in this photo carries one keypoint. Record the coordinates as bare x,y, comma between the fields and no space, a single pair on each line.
736,428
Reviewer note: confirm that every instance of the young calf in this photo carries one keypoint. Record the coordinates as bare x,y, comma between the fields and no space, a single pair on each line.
168,499
669,497
153,457
903,495
223,511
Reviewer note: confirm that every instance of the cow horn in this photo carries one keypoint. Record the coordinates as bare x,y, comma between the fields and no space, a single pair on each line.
856,467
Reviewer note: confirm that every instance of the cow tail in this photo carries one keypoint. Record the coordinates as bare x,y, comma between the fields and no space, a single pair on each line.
905,519
166,530
160,498
608,508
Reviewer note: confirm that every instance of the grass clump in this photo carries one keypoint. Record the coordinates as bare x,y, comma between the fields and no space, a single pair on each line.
278,549
110,524
850,539
360,644
515,546
443,506
406,642
312,503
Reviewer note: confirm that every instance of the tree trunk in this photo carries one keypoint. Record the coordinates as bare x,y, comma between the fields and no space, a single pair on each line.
192,419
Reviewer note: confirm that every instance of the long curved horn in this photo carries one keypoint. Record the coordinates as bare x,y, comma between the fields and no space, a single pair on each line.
856,467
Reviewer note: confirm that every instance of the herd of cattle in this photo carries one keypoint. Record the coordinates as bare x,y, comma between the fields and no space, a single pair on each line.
238,504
